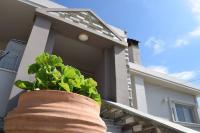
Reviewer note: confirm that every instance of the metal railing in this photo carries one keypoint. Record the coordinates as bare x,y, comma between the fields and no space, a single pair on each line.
11,56
3,53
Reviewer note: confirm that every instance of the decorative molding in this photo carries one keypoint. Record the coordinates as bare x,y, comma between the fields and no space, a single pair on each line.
84,19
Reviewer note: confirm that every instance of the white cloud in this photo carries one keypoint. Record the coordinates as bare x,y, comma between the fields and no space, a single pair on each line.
157,45
188,37
195,7
181,42
161,69
186,76
195,33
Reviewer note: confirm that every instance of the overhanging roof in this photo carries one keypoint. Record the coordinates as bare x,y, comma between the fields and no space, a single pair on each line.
141,118
163,79
82,19
42,3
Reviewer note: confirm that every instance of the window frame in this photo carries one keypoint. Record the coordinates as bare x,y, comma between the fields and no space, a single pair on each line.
192,106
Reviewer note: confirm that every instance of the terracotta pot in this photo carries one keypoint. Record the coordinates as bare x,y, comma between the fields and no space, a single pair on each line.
47,111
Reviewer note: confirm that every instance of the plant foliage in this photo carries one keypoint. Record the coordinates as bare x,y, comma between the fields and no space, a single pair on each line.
50,73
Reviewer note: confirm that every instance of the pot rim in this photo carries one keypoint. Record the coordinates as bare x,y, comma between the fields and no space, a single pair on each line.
61,92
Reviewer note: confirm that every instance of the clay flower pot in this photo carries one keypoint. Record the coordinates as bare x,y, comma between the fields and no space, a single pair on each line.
47,111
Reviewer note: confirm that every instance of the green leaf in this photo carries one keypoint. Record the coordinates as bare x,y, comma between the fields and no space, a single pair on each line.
64,86
97,98
69,72
91,91
41,84
26,85
33,68
47,59
54,60
90,82
51,73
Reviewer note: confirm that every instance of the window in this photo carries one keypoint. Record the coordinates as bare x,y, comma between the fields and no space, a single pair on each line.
184,113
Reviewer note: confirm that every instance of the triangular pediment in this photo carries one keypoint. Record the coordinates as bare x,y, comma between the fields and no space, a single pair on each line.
86,19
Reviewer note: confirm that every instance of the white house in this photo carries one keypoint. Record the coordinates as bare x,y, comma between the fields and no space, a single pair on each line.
162,95
135,99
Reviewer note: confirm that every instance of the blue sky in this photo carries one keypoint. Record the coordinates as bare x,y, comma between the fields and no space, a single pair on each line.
168,31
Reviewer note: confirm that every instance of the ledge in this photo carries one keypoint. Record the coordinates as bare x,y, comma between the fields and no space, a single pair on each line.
188,124
7,70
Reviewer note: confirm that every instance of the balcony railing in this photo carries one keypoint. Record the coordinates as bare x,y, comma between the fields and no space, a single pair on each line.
3,53
10,58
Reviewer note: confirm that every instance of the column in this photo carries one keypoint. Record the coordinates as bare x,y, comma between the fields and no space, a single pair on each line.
121,76
35,46
140,95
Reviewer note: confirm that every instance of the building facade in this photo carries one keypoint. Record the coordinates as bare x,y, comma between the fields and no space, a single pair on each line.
162,95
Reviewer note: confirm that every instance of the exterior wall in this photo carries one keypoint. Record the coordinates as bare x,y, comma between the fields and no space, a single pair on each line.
156,97
50,42
159,99
134,53
122,95
105,76
6,81
130,91
2,45
139,94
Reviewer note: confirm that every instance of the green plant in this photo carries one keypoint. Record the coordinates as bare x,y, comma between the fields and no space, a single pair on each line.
52,74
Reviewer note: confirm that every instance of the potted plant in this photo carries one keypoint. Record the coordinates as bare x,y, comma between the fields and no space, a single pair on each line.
59,100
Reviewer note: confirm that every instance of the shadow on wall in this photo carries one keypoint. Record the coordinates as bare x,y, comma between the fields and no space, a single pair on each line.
13,102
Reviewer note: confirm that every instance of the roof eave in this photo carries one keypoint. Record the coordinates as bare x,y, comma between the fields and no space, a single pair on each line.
172,82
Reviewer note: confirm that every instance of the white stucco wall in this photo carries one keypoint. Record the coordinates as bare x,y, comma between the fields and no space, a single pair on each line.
139,95
157,97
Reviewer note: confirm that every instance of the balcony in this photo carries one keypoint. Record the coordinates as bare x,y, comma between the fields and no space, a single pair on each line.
6,82
10,58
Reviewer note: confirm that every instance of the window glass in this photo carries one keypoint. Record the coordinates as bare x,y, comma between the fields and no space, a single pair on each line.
184,113
180,112
188,115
